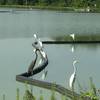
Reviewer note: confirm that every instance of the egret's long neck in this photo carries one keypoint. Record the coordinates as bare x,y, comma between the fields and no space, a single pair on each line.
74,68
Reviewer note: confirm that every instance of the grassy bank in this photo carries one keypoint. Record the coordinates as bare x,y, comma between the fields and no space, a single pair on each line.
38,7
78,37
57,8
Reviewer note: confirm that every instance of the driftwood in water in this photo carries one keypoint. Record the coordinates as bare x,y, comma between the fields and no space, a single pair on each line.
48,85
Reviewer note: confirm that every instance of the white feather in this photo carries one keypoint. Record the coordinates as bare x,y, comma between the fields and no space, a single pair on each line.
73,36
73,76
72,80
35,36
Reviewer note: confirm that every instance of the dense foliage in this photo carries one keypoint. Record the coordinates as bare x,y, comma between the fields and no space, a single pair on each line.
64,3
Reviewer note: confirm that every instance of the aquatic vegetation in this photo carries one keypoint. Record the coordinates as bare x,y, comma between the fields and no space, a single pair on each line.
63,97
53,97
28,96
78,37
41,96
93,93
17,94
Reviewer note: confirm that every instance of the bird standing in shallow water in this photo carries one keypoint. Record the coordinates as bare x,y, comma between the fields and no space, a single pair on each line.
73,36
73,76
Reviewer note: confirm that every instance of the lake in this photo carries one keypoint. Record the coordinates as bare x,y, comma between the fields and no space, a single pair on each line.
19,23
16,36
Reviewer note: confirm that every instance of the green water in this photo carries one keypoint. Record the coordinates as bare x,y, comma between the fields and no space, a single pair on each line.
16,31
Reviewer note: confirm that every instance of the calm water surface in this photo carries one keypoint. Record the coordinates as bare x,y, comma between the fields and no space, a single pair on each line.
15,23
16,31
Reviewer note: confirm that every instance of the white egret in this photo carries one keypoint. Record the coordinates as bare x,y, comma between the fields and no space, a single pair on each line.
73,76
35,36
73,36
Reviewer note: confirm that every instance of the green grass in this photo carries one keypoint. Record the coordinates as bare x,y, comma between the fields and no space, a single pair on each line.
42,7
17,94
54,6
92,92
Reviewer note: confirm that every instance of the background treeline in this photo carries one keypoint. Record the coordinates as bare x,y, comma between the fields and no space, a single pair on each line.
63,3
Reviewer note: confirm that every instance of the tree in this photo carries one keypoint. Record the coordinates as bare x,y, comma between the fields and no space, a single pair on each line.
48,2
11,2
77,3
68,2
20,2
3,2
98,3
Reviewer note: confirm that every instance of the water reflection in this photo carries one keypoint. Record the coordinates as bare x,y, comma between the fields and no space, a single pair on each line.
94,46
